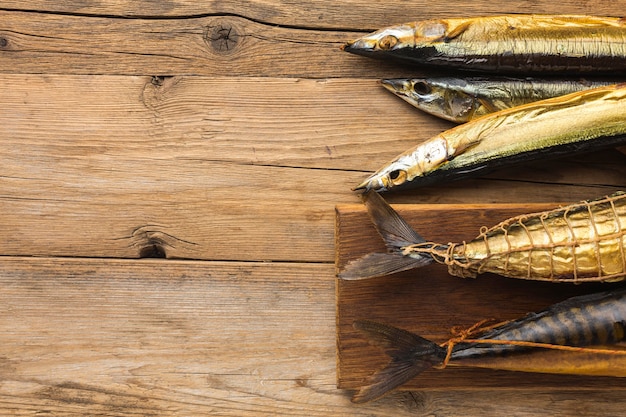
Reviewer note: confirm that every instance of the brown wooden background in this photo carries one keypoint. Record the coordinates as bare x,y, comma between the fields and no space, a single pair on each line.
219,135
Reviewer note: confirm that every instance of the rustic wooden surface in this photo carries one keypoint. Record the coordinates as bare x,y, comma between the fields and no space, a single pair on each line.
168,182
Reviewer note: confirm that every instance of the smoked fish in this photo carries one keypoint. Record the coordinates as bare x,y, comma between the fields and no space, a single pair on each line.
461,99
582,242
579,336
523,43
577,122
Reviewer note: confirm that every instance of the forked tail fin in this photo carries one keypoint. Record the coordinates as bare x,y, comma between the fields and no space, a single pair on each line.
394,230
410,355
396,233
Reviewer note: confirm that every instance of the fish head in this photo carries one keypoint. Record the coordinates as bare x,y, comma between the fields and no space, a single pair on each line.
434,96
392,175
399,39
418,162
382,41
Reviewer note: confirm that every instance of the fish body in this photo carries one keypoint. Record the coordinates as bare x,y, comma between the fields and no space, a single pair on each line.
590,320
582,242
581,121
463,99
504,43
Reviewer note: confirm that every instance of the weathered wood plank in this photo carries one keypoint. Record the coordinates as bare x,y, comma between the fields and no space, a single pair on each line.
315,14
220,45
219,168
166,338
433,305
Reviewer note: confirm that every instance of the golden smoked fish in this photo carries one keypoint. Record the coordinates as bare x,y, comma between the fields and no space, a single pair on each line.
582,242
578,336
504,44
463,99
582,121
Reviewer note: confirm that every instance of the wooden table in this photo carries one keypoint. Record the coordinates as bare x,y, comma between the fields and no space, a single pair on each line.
168,178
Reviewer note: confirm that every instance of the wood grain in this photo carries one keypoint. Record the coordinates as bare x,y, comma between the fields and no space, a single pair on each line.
165,337
212,45
184,167
359,14
430,302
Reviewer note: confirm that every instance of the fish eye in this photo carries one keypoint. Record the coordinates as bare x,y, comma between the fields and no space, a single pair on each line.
421,87
397,176
387,42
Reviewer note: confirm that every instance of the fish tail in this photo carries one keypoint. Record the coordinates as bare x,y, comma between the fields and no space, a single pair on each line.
396,233
410,355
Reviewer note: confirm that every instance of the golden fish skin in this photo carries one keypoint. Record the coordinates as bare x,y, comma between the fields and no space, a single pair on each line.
547,361
586,321
582,242
577,243
463,99
582,121
505,43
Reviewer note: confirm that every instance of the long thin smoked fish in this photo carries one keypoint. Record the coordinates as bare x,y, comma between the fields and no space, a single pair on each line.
506,43
538,341
461,99
582,121
583,242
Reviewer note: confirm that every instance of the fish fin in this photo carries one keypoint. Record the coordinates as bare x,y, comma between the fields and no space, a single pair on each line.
396,233
394,230
380,264
410,355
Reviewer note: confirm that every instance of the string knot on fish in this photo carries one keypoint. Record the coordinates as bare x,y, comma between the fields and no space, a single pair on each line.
461,335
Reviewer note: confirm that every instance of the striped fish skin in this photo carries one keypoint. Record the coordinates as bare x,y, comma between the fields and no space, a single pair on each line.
504,44
594,320
460,100
578,122
597,319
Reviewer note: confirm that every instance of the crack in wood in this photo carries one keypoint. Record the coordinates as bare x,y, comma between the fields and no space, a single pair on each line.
190,17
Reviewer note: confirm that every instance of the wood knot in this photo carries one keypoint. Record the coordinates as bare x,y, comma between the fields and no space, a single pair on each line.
4,42
223,36
153,242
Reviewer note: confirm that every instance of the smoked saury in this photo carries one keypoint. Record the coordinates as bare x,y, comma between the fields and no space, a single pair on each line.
461,99
582,242
582,121
578,336
504,44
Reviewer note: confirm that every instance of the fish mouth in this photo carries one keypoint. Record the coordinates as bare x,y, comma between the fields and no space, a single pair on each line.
361,46
396,86
370,183
363,187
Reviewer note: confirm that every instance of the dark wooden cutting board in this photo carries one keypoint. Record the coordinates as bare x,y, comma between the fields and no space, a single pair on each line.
430,302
